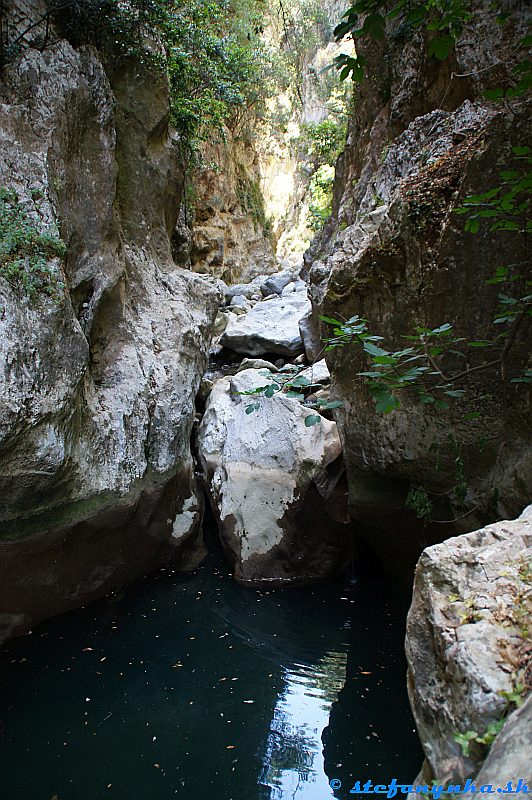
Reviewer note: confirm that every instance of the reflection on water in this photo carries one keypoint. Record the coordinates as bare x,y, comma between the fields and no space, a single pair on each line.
293,761
193,687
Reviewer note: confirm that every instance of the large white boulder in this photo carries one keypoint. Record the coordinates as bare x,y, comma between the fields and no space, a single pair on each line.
273,483
271,326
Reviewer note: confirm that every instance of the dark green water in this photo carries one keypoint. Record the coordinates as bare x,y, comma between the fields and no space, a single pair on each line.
192,687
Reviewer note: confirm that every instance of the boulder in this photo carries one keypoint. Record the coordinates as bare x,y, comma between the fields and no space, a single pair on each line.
274,484
240,301
270,327
294,286
317,373
256,363
240,289
277,282
467,641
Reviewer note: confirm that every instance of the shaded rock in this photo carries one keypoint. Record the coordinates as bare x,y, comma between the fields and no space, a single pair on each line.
240,301
227,238
395,253
273,484
223,318
310,334
277,282
509,758
270,327
205,389
465,642
317,373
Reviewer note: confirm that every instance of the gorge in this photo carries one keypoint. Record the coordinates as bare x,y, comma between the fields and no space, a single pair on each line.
243,302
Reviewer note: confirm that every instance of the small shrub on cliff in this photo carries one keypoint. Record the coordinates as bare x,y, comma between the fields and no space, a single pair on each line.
26,250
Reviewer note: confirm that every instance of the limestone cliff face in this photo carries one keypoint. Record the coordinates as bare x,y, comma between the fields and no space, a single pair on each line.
223,228
97,386
470,656
422,138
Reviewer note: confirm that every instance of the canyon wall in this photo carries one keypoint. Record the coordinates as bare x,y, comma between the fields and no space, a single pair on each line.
98,372
423,136
223,228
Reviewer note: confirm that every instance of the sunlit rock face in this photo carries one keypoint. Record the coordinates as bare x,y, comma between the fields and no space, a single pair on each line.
395,253
97,385
274,484
223,231
468,648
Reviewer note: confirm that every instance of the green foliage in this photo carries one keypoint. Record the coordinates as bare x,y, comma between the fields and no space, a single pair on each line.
26,250
321,195
303,26
210,50
487,738
292,384
418,501
321,144
515,696
411,369
523,77
507,206
417,369
464,740
324,141
445,17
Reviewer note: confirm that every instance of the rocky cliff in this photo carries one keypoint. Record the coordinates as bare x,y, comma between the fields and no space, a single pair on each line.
223,227
423,137
470,655
100,371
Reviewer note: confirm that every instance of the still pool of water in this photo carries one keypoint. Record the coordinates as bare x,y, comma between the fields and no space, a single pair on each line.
193,687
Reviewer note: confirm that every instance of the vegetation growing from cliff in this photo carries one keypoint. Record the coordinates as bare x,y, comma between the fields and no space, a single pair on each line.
26,249
212,51
321,144
444,20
